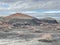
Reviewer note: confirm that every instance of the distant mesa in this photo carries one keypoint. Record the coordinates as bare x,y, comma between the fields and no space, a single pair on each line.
49,20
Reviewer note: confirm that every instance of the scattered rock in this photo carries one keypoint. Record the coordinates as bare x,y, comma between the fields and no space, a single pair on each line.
46,38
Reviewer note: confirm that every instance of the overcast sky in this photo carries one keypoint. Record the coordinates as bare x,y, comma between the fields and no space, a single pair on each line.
33,7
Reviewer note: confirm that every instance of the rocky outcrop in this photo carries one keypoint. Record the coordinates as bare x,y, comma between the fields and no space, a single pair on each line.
5,26
46,37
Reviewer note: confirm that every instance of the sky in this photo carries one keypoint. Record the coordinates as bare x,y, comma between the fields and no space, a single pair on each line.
37,8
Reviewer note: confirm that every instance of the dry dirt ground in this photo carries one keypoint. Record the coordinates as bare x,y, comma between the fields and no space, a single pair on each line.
29,36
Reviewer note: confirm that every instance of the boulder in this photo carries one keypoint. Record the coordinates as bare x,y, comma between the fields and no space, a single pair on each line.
46,38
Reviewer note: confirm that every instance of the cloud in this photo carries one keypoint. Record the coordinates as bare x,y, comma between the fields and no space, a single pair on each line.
4,6
51,12
42,12
32,4
29,6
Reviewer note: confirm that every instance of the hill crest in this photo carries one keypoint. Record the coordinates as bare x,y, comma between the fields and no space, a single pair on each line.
18,15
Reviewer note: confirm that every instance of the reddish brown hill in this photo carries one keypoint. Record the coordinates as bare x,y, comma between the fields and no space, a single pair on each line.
19,15
22,19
